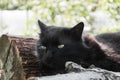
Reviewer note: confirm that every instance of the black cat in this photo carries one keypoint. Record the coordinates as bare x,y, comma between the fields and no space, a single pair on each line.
58,45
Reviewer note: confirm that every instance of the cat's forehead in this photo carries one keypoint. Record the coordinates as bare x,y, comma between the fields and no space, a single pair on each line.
57,35
56,32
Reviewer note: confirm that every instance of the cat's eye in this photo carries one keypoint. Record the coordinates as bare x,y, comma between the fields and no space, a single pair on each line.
43,47
60,46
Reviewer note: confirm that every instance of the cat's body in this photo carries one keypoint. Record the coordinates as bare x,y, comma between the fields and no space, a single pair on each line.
110,39
58,45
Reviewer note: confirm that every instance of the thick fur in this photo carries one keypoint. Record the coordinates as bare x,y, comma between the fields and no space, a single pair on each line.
85,50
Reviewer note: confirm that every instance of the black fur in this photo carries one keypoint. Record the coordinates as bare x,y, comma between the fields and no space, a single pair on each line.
86,51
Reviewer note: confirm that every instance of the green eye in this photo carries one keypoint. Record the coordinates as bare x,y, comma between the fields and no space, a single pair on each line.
43,47
60,46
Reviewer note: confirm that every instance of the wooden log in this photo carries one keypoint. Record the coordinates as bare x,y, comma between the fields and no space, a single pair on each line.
11,65
26,47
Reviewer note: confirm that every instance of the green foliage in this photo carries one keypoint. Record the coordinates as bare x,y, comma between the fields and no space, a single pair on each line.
63,12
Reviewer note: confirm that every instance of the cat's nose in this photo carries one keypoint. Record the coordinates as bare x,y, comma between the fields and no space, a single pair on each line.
53,52
50,54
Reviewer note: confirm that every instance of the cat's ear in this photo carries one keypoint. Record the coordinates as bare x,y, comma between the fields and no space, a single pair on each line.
78,29
42,26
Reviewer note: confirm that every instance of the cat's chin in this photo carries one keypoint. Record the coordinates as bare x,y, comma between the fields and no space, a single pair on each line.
50,69
48,72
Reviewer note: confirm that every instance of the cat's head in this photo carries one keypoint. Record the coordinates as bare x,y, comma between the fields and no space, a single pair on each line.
58,45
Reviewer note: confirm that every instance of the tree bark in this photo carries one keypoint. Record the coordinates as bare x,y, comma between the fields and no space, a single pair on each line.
17,56
26,47
10,62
